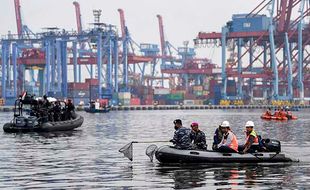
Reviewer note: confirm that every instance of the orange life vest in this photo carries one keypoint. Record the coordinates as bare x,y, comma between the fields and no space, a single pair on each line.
234,142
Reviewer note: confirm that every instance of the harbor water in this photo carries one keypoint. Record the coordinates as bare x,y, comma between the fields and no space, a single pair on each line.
88,157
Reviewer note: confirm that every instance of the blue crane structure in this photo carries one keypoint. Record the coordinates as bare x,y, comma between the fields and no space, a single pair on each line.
268,53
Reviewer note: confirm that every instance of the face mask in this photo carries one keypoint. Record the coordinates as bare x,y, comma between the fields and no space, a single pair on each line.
175,127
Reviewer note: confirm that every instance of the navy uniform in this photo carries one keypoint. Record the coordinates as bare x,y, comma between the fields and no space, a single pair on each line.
181,138
199,140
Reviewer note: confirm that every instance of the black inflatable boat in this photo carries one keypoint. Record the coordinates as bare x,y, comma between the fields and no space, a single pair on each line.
42,119
31,124
169,154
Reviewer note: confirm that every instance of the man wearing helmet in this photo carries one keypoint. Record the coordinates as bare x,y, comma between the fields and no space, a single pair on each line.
252,141
229,141
198,137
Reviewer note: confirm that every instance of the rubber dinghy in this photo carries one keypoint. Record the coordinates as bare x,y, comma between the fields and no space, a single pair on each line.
42,119
24,125
169,154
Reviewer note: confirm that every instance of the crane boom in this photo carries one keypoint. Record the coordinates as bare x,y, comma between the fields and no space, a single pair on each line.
78,16
162,36
123,24
18,18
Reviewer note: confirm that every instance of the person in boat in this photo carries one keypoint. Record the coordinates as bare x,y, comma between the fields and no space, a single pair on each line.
276,113
181,138
46,103
282,113
217,138
268,112
57,111
289,114
252,139
70,108
198,137
229,143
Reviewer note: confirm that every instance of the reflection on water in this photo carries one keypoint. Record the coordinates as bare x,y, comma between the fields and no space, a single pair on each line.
88,158
237,176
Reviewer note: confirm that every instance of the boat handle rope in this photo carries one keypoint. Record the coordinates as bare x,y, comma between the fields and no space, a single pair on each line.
263,159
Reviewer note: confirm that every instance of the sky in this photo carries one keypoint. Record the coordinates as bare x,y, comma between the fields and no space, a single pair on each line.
183,19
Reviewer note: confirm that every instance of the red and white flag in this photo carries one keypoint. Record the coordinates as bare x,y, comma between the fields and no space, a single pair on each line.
24,95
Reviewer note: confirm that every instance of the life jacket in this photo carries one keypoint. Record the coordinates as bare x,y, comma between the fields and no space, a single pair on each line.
234,142
268,113
254,134
276,114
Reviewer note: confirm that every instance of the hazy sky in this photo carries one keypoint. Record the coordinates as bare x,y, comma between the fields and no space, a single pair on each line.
183,19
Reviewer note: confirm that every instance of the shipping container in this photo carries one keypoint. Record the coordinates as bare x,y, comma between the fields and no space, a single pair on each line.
10,101
178,92
257,92
159,97
124,95
148,102
92,81
10,93
78,86
79,101
135,101
148,97
189,96
78,93
55,94
104,102
198,93
175,96
124,102
197,88
188,102
173,102
246,23
198,102
161,91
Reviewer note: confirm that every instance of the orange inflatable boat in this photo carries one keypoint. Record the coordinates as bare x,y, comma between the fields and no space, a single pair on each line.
281,118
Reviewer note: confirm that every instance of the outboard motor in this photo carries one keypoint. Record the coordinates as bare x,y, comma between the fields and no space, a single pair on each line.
32,121
20,121
272,145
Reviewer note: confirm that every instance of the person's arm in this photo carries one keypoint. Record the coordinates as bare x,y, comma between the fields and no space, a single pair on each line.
221,143
175,138
203,138
248,144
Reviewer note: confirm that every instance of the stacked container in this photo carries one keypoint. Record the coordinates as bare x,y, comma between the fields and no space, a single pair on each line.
78,93
124,98
147,95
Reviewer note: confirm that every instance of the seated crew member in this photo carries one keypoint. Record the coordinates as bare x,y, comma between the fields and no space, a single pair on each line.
70,109
252,141
181,138
229,143
198,137
217,138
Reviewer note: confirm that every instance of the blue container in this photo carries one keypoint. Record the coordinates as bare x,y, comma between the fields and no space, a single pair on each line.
10,93
249,23
10,101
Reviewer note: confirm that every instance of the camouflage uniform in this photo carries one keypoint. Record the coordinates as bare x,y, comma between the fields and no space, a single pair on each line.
199,139
181,138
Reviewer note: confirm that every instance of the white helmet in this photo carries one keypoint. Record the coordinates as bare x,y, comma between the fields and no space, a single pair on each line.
249,124
225,124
